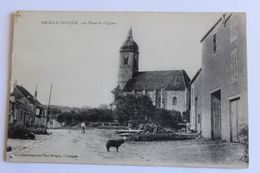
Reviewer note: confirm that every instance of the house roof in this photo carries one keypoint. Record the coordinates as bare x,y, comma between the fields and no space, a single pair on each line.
157,80
195,76
20,92
222,18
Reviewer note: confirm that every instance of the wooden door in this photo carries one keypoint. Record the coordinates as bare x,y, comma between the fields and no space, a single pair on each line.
216,115
234,114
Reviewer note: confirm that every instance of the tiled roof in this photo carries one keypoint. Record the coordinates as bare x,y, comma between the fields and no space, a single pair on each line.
20,92
151,80
222,18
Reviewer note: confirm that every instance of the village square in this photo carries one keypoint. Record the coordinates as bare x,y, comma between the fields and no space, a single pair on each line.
160,117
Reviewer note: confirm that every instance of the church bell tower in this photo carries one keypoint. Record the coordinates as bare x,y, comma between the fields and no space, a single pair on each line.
128,61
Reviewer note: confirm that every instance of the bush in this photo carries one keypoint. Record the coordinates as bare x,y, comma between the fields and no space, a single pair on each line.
140,110
243,135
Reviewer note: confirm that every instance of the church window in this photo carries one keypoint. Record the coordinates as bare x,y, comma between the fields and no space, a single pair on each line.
234,65
174,100
125,59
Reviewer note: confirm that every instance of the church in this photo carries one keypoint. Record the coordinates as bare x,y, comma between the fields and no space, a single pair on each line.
167,89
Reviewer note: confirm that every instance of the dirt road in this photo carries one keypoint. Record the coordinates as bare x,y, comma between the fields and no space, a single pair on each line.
70,146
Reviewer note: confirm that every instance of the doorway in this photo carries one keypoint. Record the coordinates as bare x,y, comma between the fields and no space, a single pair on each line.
216,115
234,112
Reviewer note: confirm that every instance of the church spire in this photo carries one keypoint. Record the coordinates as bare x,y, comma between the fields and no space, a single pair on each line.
129,45
130,35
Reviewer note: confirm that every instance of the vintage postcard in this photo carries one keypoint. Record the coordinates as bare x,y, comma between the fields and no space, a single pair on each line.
123,88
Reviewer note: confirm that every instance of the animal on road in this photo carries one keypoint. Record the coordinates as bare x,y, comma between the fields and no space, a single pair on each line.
114,143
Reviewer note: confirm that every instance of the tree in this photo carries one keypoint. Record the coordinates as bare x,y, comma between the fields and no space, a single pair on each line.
117,92
168,118
96,114
66,117
135,108
55,110
103,106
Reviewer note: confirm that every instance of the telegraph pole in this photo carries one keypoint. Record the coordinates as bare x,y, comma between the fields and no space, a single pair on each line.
48,108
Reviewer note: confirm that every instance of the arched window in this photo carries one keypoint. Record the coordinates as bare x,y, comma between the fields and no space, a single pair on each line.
174,100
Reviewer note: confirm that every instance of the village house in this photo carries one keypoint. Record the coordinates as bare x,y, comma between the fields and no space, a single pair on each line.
25,109
167,89
196,102
223,80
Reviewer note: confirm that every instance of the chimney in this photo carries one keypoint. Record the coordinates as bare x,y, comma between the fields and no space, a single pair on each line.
15,83
35,93
223,19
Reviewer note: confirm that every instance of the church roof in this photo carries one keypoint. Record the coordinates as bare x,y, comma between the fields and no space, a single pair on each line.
129,45
151,80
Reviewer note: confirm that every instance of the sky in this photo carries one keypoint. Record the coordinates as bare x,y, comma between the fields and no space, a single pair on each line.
78,52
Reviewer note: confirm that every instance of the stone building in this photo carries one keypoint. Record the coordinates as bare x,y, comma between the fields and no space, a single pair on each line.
167,89
224,78
196,102
25,109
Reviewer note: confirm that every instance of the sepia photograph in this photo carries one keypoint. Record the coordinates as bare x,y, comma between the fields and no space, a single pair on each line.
129,88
